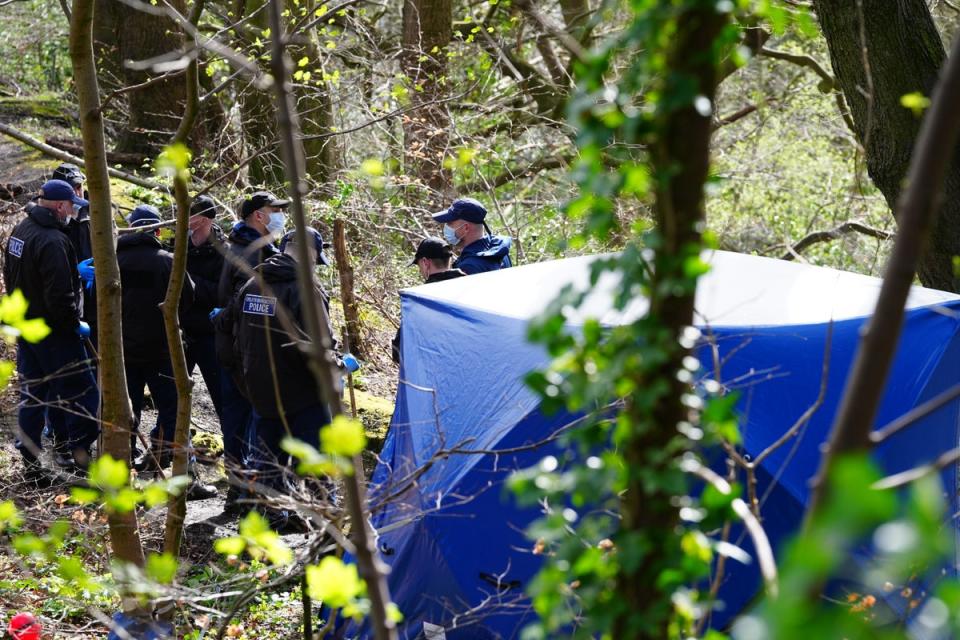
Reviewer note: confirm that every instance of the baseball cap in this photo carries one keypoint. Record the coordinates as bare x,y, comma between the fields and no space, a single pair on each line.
143,215
60,190
462,209
291,236
433,248
260,199
203,206
69,173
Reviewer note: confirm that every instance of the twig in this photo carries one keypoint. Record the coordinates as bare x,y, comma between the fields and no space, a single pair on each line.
833,234
768,565
906,477
917,413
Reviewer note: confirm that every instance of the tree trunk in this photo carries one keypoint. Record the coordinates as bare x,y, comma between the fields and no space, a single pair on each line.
680,153
881,51
916,211
177,505
427,29
154,111
116,416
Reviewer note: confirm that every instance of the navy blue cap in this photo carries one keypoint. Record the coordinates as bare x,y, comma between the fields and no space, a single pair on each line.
143,215
433,248
60,190
462,209
203,206
291,236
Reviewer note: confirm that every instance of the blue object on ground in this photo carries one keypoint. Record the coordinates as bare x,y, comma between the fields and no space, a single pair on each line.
139,629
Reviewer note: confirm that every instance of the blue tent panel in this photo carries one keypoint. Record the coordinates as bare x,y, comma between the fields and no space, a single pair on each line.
464,420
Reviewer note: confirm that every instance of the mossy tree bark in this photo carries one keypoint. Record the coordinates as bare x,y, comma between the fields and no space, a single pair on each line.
881,51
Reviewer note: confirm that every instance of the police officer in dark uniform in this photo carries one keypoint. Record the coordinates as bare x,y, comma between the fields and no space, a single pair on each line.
433,260
204,264
281,387
78,231
464,227
145,270
42,263
251,240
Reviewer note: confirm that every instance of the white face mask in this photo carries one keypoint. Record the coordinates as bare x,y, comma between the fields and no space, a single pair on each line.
76,211
450,235
278,221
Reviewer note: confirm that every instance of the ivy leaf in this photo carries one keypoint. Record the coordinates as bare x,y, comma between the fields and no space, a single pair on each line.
162,568
344,437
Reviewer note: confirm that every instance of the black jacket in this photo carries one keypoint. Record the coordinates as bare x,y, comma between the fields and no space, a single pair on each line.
41,262
78,230
144,275
440,276
246,243
204,264
259,335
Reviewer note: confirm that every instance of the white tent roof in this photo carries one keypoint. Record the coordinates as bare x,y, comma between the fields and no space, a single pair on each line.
739,290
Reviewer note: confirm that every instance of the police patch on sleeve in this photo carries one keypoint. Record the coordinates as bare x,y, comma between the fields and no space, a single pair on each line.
15,247
259,305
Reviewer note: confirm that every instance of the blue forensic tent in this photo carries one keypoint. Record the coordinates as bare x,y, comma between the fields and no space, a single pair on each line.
453,536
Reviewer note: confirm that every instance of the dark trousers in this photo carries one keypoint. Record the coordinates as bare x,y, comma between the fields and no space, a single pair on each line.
56,371
201,352
269,457
158,377
236,421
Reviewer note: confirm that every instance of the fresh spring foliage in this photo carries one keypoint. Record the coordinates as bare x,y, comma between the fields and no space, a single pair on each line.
598,555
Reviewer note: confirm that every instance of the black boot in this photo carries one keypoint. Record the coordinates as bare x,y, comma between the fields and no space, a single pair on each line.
197,490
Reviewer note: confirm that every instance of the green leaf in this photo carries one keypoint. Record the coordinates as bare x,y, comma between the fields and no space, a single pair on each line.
372,167
84,495
13,307
344,437
174,160
162,568
916,102
10,517
6,370
28,545
232,546
107,473
33,330
334,583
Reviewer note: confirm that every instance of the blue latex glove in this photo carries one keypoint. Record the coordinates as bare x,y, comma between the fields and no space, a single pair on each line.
350,363
214,313
83,329
86,272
